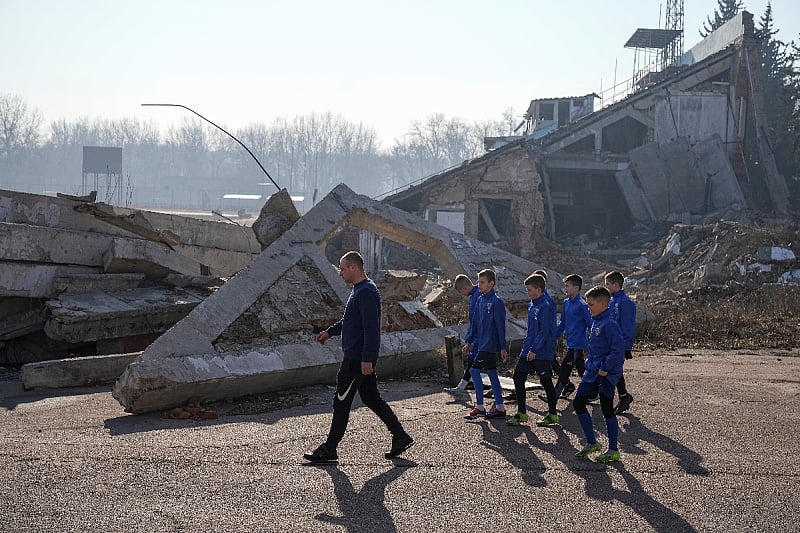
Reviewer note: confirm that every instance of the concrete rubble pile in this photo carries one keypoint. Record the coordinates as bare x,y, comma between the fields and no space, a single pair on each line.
722,253
256,333
86,278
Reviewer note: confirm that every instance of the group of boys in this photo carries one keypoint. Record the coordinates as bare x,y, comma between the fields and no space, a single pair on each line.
603,324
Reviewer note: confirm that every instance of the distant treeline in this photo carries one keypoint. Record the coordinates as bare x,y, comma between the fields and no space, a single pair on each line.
194,165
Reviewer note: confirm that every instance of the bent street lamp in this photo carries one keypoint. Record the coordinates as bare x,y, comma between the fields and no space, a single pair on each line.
223,131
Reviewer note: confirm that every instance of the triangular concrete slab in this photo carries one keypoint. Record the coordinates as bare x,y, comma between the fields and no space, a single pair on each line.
247,337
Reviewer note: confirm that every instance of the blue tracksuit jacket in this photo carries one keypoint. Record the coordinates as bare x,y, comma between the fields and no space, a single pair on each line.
540,338
606,348
490,323
575,321
624,311
473,303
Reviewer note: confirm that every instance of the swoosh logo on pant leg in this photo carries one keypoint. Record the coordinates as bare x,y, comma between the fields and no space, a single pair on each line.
343,396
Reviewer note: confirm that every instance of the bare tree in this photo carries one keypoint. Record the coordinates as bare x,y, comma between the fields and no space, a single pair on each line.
19,126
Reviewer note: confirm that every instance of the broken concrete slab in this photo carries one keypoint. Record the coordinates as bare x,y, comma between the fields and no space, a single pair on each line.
678,177
76,371
97,282
89,316
713,163
403,316
397,285
150,384
35,280
26,242
220,263
775,253
277,216
38,244
151,259
245,338
710,274
225,248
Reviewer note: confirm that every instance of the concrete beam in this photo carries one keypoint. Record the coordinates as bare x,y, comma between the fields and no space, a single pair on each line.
42,244
90,316
96,282
152,259
52,212
75,372
34,280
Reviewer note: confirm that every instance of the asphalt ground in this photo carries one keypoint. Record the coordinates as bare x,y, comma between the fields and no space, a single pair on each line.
710,444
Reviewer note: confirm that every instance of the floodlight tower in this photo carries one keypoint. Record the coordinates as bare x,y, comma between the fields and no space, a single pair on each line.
673,21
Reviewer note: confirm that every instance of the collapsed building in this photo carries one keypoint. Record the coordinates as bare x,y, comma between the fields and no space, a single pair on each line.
256,333
673,151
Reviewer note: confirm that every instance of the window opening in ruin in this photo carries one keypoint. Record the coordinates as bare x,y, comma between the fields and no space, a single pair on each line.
495,223
546,111
563,112
624,135
588,203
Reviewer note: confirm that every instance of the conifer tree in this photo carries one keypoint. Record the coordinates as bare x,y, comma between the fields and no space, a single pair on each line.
726,10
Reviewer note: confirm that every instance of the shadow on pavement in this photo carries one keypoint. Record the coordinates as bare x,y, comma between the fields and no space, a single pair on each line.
363,510
635,432
598,485
521,455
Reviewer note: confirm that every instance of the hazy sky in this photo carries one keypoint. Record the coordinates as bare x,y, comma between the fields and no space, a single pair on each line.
380,63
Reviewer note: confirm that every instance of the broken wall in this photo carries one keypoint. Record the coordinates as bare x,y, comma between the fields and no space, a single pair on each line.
679,179
500,197
694,116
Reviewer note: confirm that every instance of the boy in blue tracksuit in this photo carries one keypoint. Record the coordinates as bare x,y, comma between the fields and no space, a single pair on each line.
464,286
488,338
575,322
624,312
603,370
538,351
542,272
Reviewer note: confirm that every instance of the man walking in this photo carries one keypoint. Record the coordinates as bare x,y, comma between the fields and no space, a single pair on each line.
360,328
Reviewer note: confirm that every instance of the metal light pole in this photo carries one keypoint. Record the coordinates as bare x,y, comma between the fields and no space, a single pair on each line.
226,133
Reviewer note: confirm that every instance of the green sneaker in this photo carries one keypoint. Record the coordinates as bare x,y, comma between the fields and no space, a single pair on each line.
517,419
549,420
608,457
589,448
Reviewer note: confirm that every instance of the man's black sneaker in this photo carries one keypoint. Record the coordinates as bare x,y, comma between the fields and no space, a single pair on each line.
323,454
569,388
624,404
399,445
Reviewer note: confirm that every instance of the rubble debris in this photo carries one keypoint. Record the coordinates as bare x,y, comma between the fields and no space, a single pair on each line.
87,198
91,316
192,410
722,291
397,285
775,253
78,253
204,356
278,215
734,249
